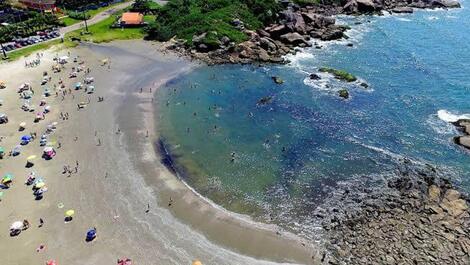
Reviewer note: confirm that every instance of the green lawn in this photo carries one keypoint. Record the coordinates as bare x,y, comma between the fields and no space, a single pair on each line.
69,21
102,31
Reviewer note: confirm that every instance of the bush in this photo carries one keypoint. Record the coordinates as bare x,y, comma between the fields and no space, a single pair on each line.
79,15
186,18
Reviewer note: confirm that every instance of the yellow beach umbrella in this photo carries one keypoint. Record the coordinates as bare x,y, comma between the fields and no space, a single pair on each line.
31,157
197,262
69,213
39,185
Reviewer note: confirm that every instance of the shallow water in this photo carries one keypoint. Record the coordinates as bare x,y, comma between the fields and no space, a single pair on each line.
276,161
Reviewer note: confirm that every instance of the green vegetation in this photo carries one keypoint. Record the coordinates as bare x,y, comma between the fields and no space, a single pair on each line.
343,93
145,7
188,18
104,32
339,74
76,17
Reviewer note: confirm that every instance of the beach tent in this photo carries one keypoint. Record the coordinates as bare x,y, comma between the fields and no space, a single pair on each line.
18,225
78,85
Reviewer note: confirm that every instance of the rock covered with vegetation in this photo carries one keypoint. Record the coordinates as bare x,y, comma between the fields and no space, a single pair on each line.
339,74
244,31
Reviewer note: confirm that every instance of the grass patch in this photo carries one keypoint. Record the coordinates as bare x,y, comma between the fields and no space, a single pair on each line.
68,21
339,74
102,31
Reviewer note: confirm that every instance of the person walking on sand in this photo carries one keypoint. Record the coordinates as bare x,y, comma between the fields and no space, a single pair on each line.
41,222
148,208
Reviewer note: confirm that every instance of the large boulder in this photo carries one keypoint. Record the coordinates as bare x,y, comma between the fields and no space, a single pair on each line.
360,6
316,20
277,30
446,3
293,38
268,44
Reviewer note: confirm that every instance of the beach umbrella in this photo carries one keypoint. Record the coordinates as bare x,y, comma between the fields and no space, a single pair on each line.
26,138
197,262
39,185
51,262
69,213
23,124
16,225
31,157
7,178
48,149
2,150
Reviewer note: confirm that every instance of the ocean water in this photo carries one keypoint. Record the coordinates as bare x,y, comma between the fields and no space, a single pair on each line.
279,161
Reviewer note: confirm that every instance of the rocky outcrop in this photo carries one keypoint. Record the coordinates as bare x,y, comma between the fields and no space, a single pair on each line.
464,126
416,217
294,27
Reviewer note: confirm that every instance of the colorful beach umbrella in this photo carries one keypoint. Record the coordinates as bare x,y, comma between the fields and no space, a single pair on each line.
48,149
39,185
7,177
51,262
69,213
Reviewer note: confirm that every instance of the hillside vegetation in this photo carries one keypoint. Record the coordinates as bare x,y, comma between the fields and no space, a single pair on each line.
218,18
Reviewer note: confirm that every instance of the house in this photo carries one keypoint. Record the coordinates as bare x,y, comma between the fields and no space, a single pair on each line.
131,19
41,5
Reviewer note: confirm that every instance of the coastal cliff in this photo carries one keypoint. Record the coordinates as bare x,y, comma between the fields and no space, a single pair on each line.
292,27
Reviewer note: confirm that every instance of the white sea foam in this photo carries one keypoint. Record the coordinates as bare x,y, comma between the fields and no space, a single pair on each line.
440,126
448,116
403,19
432,18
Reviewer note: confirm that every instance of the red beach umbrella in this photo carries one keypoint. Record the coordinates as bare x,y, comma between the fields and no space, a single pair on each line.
51,262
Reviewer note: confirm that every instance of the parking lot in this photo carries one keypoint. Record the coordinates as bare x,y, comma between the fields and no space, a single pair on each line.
40,36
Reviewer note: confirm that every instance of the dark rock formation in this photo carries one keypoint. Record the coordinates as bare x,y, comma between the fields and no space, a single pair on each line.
416,217
344,93
464,126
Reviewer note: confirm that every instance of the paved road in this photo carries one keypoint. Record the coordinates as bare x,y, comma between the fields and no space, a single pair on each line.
97,18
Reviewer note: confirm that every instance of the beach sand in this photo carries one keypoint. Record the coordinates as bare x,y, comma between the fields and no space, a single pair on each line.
119,174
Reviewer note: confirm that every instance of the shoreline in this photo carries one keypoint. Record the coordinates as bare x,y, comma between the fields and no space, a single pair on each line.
109,190
210,218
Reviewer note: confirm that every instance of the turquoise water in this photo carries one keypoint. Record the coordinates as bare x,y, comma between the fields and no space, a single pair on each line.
276,161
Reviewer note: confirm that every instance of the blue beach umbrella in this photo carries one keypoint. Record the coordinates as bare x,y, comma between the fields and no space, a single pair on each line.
26,138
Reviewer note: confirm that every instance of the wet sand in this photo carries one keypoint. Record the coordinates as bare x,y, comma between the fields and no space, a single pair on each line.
118,178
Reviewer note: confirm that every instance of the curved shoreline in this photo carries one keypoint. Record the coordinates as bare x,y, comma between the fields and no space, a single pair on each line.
231,230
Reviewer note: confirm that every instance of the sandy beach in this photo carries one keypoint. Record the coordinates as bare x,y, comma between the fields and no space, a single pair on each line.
120,187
